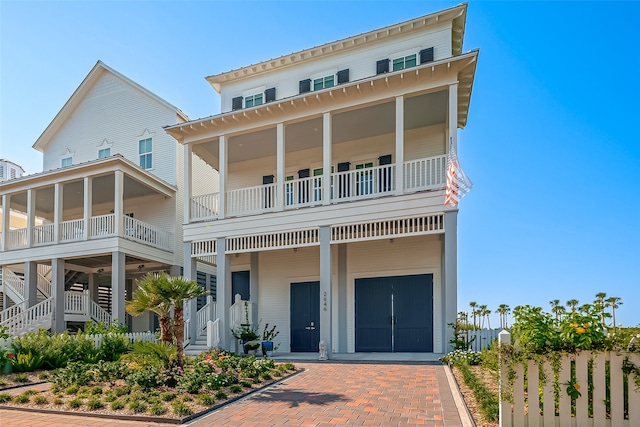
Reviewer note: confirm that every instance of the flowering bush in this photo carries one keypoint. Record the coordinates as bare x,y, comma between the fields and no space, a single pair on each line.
457,357
269,334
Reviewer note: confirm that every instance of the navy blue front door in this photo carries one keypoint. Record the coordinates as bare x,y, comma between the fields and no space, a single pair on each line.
305,316
394,314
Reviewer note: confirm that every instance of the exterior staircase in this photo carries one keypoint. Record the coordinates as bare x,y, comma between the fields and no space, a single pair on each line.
208,333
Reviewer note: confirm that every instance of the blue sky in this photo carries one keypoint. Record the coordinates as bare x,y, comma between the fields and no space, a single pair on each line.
550,143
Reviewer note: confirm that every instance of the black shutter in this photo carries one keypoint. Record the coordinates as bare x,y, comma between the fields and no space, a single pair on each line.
343,180
382,66
384,179
343,76
426,55
268,191
236,103
303,173
305,86
270,94
303,187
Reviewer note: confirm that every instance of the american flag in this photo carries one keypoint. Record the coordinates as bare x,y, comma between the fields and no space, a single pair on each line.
458,185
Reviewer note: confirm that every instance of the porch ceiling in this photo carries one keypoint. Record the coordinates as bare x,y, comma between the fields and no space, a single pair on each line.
104,261
73,194
420,111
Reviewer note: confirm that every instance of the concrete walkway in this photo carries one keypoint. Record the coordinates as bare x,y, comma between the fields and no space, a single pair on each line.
326,394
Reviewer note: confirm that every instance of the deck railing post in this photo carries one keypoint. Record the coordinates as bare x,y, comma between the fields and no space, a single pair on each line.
504,338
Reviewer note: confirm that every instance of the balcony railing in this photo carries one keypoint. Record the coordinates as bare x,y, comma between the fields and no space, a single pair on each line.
359,184
99,227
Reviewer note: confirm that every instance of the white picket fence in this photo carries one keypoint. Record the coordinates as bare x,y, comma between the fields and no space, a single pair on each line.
482,338
534,404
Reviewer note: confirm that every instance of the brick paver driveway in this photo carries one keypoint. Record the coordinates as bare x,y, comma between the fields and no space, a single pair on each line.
326,394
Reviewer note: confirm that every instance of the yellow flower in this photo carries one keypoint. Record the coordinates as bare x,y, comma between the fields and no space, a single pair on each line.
580,330
576,386
573,325
586,325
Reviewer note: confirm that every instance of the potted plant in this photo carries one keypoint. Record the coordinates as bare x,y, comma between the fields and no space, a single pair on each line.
248,335
268,335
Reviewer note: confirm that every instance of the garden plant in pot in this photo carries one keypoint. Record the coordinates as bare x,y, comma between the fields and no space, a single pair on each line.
268,335
249,337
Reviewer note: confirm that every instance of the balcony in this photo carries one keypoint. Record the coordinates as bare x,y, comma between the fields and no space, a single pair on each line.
349,186
98,227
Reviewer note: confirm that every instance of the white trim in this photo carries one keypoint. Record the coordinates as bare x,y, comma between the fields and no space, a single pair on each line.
254,91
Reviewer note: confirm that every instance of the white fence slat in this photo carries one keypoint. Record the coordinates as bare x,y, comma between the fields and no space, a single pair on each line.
617,404
582,403
505,412
599,389
634,392
565,399
548,396
518,396
533,379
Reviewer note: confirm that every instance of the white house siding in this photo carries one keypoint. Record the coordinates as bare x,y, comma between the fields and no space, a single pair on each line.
360,62
380,258
116,112
419,143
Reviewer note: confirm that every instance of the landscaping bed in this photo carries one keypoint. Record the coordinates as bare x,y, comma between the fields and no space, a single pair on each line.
122,390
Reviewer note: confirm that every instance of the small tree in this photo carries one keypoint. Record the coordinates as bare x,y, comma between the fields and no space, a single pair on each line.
148,297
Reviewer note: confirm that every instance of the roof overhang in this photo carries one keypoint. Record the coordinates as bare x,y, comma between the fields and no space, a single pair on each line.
457,15
463,66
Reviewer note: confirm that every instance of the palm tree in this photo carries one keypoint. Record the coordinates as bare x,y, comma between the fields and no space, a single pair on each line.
573,303
179,290
614,302
473,306
482,312
147,297
601,304
503,310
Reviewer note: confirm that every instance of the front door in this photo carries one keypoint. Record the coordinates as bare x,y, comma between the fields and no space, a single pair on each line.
305,316
394,314
240,284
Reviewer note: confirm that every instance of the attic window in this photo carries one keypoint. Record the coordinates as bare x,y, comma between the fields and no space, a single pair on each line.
404,62
66,162
253,100
324,82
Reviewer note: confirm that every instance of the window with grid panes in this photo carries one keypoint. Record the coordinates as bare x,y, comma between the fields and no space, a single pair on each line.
253,100
145,151
104,152
404,62
67,161
324,82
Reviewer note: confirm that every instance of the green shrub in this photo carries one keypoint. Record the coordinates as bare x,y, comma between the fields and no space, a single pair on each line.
21,378
113,346
117,404
100,328
147,377
191,382
462,356
487,400
30,392
110,396
5,397
181,409
168,396
266,376
245,384
95,403
27,362
2,382
57,401
137,406
75,403
235,388
206,399
44,375
75,373
21,398
72,389
157,409
186,398
221,395
122,390
40,400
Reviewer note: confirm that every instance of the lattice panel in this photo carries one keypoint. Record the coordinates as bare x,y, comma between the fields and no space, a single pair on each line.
271,241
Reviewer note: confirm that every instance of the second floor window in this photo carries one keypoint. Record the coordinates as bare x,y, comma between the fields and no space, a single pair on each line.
253,100
104,152
144,149
67,161
323,82
404,62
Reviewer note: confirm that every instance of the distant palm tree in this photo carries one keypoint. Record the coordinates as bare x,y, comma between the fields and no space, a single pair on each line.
473,306
614,302
601,304
503,310
147,297
573,303
482,312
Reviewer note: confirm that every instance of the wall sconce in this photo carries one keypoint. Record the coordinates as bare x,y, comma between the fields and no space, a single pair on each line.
100,270
141,266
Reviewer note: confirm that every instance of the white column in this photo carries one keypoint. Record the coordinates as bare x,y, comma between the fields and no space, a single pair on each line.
280,155
326,158
190,271
31,283
6,218
253,286
450,276
118,210
58,208
188,160
118,276
223,293
88,205
93,288
399,178
222,172
453,116
325,288
57,293
31,207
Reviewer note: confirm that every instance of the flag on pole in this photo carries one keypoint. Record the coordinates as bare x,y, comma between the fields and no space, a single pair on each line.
458,185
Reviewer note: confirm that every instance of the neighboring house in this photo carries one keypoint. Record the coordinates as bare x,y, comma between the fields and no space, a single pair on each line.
329,216
110,205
